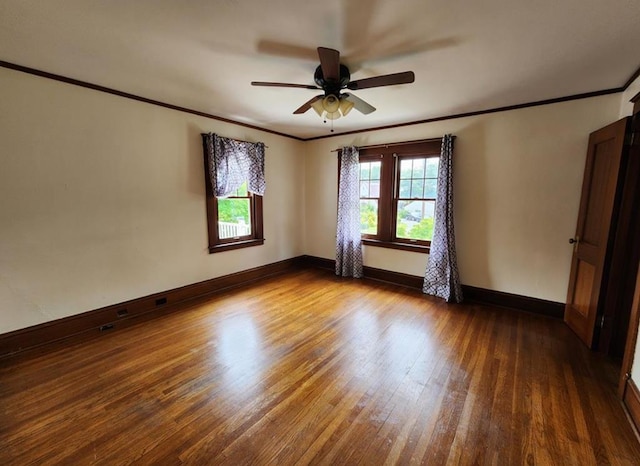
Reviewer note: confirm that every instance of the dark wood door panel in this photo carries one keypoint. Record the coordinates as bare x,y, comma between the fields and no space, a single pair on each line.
593,231
602,182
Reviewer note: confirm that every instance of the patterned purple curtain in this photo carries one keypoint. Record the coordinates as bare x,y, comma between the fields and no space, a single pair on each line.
233,162
348,238
441,277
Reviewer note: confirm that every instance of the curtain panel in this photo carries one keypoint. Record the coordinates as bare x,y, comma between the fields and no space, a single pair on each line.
348,237
232,162
441,277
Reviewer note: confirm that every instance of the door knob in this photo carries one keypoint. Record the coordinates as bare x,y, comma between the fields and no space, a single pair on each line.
572,240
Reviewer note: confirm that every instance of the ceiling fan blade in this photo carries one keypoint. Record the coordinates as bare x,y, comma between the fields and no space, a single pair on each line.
287,50
330,63
360,105
269,84
405,77
307,105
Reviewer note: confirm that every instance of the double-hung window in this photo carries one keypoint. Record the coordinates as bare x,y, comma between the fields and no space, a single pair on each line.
234,218
235,215
234,221
398,185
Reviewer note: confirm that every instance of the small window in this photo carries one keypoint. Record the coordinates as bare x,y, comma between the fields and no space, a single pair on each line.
234,221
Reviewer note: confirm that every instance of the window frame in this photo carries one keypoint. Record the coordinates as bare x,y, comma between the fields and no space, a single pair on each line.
396,197
390,155
256,238
374,158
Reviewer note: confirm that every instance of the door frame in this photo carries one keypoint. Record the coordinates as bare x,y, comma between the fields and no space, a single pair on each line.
632,338
634,317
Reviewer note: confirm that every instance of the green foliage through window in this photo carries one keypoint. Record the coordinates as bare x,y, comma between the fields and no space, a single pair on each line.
398,189
234,217
368,217
233,210
422,230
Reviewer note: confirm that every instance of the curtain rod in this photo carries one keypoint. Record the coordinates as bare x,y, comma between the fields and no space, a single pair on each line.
239,140
392,144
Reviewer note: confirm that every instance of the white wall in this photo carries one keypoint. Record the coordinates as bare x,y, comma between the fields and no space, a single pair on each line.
626,107
517,183
102,200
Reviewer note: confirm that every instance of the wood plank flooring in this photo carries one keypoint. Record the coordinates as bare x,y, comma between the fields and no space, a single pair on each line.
306,368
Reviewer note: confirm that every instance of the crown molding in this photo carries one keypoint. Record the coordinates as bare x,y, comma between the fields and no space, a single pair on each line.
127,95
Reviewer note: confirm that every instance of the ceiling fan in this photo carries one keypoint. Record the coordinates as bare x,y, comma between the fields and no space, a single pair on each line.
333,77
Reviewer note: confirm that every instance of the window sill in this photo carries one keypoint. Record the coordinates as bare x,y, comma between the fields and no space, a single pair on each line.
402,246
235,245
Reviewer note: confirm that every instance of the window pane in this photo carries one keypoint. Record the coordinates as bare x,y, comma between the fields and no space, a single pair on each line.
242,190
374,189
406,168
368,217
416,188
430,187
233,218
364,189
405,188
432,167
418,168
365,170
375,170
415,220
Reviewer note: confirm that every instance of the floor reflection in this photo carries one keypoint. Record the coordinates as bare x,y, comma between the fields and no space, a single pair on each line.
240,351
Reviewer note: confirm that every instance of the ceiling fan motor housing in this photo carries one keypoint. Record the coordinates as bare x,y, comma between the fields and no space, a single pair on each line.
332,87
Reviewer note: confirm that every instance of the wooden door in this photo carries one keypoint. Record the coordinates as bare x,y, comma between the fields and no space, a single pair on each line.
594,230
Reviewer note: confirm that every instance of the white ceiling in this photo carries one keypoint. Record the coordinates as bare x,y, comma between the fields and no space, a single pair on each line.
202,54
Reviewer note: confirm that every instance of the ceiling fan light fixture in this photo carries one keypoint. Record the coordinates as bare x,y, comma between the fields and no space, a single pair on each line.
317,107
332,115
345,106
331,104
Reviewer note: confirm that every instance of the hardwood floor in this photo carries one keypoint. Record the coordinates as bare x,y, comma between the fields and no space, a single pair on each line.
306,368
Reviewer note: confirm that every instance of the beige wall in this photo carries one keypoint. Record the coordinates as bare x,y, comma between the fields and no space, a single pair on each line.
518,176
626,107
102,200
